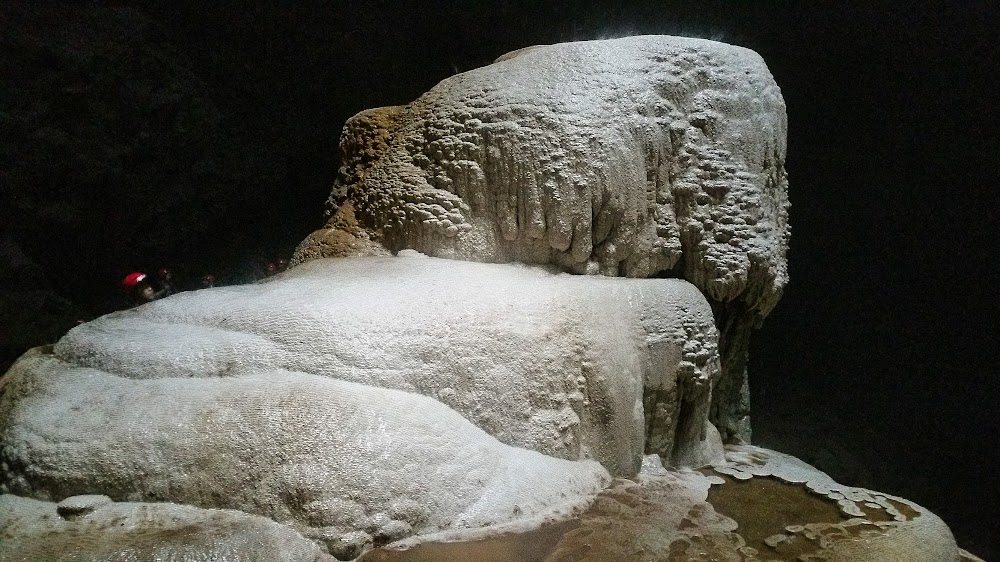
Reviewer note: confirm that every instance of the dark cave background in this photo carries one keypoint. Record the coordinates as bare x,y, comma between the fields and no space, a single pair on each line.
203,136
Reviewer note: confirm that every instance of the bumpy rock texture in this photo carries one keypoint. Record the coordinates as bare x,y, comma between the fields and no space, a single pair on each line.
86,528
349,397
640,157
776,509
374,399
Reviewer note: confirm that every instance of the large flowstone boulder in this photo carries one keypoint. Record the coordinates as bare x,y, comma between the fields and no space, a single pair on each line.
643,156
379,395
448,409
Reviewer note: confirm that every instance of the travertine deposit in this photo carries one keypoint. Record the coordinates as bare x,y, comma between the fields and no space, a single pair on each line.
640,157
757,505
373,395
472,393
85,528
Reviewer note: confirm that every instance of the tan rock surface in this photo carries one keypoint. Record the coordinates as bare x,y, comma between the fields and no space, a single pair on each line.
778,509
99,529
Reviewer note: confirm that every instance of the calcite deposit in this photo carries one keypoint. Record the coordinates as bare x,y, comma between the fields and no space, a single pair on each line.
379,395
89,528
614,214
644,156
775,509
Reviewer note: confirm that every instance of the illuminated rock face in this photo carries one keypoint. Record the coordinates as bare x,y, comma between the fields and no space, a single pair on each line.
374,398
469,394
639,157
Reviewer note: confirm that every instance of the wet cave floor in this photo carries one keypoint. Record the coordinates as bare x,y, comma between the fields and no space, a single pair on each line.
774,520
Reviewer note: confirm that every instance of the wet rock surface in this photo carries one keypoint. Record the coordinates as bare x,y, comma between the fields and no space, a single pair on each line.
447,409
757,506
778,509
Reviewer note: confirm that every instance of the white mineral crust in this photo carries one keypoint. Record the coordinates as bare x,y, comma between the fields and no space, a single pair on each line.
388,395
619,156
639,157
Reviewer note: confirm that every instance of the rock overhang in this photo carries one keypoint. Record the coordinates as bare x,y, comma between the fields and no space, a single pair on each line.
615,157
647,156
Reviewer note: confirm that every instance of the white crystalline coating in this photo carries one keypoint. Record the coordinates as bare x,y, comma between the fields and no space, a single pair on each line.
652,466
383,396
559,364
81,505
298,448
639,157
618,157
